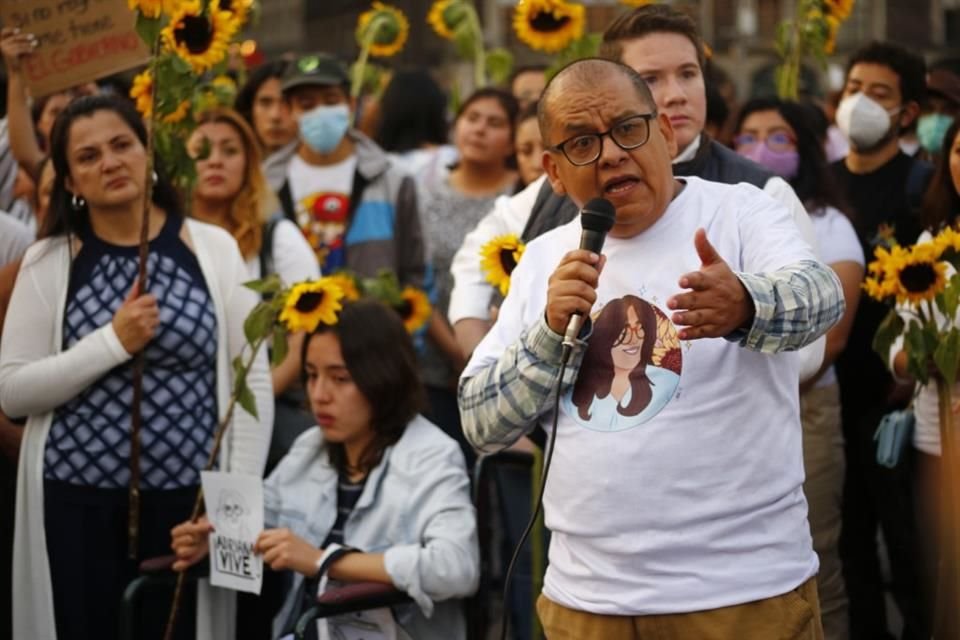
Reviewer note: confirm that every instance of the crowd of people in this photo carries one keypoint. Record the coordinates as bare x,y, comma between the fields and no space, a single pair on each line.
714,471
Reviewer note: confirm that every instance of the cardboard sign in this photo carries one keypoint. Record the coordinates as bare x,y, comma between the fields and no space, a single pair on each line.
79,40
235,507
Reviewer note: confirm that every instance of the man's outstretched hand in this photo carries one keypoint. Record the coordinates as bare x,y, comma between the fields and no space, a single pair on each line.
717,303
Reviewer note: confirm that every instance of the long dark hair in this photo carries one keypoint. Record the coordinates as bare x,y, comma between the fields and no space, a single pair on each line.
608,332
381,360
62,218
243,103
413,112
814,183
941,203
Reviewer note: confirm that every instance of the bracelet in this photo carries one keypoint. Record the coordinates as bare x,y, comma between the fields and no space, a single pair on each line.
330,555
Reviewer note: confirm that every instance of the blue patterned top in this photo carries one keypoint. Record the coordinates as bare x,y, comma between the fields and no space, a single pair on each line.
89,440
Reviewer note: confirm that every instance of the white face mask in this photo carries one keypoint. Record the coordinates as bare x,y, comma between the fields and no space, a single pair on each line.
863,120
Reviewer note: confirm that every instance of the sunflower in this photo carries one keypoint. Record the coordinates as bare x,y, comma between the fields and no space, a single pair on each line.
839,9
178,114
500,257
414,308
880,288
921,280
444,16
153,8
200,39
947,243
141,92
310,303
390,26
636,3
239,10
347,283
548,25
912,276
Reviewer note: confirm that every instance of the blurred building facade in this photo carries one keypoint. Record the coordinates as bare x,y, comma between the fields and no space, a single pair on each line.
740,32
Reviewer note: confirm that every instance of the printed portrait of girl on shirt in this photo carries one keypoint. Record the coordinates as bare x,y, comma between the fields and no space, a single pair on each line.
625,379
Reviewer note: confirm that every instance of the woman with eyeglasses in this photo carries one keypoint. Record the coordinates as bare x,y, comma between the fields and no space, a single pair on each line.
782,137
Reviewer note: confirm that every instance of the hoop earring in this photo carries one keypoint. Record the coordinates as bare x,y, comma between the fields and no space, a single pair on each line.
77,202
154,177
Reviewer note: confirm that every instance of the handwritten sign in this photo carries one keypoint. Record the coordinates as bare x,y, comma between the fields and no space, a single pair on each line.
235,507
78,40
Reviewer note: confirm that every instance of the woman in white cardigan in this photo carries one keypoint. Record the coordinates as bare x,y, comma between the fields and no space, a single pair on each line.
74,323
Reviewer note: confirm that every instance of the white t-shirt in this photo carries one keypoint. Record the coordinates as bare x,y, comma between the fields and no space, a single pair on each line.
691,497
293,259
321,201
838,242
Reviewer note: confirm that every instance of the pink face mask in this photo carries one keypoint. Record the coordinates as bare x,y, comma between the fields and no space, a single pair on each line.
783,163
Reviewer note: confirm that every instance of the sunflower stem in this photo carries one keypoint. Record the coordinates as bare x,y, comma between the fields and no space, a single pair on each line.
359,71
198,501
139,362
479,54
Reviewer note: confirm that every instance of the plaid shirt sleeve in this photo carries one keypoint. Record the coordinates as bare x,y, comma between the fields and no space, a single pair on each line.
503,401
794,306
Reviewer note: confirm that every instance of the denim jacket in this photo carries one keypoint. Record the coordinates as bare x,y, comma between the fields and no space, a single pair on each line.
415,509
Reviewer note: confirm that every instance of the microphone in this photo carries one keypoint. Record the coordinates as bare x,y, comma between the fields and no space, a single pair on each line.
596,219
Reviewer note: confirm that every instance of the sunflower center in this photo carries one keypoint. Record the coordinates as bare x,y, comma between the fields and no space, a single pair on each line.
195,33
917,278
226,5
309,301
507,260
405,309
547,22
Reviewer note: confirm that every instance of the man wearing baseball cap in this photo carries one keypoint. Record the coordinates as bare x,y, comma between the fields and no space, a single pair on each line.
357,211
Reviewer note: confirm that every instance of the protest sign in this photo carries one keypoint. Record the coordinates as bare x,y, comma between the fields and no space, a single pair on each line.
235,508
78,40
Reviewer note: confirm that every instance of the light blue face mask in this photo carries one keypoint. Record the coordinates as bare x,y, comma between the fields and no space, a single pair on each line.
323,127
931,129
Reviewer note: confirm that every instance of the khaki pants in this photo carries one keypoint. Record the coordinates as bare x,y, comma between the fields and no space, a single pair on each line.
795,615
824,464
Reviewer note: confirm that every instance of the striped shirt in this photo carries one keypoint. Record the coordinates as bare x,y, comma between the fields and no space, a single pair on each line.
348,494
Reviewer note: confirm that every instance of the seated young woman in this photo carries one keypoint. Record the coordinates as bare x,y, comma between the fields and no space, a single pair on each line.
374,475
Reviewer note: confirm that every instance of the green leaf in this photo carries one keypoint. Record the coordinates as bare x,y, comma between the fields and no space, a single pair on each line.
259,323
148,29
180,65
887,332
270,284
499,65
246,400
279,351
947,355
917,354
951,298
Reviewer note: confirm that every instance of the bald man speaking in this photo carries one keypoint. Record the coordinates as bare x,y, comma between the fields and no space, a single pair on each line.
675,493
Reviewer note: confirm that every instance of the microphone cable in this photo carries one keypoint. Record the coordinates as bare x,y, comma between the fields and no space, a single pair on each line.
551,445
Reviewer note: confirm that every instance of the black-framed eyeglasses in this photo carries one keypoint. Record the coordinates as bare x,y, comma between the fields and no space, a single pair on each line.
585,148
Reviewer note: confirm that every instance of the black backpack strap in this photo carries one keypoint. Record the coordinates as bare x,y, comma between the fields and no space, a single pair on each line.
266,244
356,194
286,202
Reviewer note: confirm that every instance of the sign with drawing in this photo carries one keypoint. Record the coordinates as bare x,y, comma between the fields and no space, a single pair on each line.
78,40
235,508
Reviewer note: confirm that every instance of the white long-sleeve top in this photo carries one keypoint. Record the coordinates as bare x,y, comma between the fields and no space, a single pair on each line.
36,376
